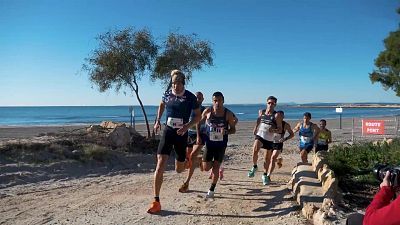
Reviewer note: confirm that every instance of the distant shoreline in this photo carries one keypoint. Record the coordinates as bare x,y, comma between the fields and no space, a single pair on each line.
344,106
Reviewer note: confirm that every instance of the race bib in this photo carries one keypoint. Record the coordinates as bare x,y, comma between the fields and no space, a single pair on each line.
217,134
305,139
175,122
322,142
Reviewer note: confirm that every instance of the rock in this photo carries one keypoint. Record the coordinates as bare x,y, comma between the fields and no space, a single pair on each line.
330,185
111,125
94,128
320,218
308,210
119,137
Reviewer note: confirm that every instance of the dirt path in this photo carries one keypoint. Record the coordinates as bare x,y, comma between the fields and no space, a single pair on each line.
124,198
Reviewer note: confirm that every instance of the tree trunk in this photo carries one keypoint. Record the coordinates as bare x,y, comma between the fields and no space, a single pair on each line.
142,107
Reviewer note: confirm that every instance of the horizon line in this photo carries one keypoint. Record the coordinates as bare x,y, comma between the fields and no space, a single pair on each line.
284,103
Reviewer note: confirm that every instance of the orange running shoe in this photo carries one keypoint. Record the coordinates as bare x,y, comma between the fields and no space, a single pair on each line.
154,208
184,188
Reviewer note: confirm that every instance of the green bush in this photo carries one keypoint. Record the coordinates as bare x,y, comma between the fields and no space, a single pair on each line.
357,161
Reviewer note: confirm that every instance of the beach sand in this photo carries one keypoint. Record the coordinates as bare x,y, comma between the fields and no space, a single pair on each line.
82,194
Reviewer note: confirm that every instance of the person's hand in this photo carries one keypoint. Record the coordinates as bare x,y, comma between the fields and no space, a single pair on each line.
386,180
281,140
157,126
181,131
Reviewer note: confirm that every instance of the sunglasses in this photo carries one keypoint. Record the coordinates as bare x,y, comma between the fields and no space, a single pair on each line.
271,103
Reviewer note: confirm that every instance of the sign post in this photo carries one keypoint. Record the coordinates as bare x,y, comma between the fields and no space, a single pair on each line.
132,112
340,111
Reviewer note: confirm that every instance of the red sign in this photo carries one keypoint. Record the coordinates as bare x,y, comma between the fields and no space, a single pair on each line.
373,127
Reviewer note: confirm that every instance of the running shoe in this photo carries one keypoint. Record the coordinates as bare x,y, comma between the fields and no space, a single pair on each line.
265,179
154,208
210,194
221,173
184,188
252,172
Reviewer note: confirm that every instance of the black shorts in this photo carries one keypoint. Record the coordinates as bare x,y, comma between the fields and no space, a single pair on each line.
214,154
277,146
321,148
192,138
307,147
171,140
269,145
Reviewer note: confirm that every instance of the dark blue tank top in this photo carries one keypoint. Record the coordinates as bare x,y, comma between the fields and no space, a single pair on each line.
180,106
217,131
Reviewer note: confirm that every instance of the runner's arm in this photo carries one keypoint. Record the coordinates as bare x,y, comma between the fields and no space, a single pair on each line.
232,121
202,119
279,128
316,133
258,122
181,131
329,137
296,128
160,111
290,131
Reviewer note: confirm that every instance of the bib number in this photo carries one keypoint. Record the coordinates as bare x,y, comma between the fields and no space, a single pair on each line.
305,139
175,122
217,134
322,142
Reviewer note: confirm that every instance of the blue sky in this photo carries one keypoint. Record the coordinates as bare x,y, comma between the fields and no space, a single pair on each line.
299,51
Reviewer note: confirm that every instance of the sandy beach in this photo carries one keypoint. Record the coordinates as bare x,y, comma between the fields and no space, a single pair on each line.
73,193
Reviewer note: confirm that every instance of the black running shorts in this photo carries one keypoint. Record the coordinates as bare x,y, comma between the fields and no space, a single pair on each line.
211,154
269,145
321,148
171,140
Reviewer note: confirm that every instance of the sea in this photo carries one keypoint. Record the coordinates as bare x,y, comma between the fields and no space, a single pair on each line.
83,115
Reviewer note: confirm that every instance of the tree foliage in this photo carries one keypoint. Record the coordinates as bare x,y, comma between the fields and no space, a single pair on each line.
121,59
184,52
388,63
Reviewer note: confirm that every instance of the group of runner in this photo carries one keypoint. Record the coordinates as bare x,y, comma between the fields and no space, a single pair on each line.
191,126
270,131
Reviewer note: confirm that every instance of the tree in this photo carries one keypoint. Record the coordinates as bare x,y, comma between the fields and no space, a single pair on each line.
122,58
388,63
184,52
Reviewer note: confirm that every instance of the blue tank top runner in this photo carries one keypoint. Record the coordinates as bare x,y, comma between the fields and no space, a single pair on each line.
306,136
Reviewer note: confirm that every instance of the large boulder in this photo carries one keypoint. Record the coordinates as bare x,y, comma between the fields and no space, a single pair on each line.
119,137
